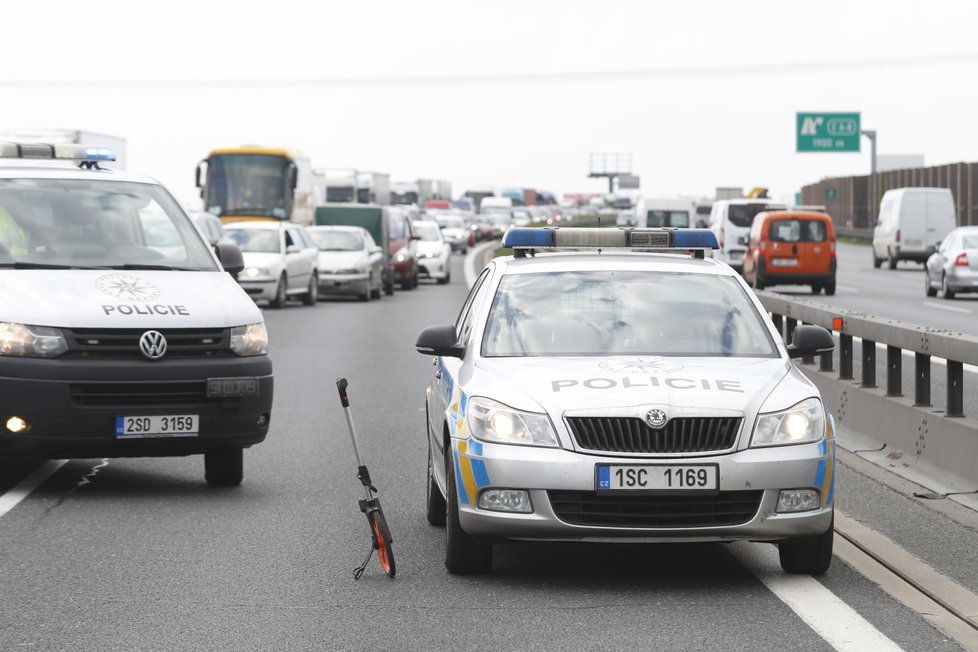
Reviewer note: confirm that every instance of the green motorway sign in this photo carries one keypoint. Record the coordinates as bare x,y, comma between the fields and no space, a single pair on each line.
827,132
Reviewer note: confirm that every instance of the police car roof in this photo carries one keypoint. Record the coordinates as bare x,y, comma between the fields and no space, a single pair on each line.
620,260
57,169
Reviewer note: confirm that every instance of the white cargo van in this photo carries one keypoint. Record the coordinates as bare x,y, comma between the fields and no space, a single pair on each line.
912,222
730,220
669,212
121,335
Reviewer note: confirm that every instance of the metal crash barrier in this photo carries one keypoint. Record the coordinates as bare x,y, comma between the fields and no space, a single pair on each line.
934,447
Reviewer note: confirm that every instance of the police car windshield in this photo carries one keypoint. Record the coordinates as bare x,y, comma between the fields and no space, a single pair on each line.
599,313
96,223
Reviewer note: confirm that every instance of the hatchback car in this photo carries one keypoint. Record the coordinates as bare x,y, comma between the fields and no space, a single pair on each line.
623,396
791,248
455,231
350,262
280,261
434,254
953,268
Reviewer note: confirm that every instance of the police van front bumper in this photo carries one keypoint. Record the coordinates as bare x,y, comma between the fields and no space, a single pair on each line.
71,406
567,507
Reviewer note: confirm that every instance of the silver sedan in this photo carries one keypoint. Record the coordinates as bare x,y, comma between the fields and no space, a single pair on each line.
953,268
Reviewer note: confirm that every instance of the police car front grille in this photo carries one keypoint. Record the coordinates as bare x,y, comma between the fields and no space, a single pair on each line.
655,511
124,342
138,394
633,435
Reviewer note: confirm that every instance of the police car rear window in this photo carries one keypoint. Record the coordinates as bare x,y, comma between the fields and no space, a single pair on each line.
596,313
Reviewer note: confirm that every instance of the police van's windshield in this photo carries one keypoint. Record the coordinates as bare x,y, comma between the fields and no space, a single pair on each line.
601,313
99,224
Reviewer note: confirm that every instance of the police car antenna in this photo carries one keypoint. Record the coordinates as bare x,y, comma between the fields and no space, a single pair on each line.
380,534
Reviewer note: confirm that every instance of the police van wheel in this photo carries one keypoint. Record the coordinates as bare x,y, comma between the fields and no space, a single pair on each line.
877,262
280,294
463,556
892,262
434,501
224,467
808,555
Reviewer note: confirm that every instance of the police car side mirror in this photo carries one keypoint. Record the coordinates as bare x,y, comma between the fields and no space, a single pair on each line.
230,256
807,340
440,340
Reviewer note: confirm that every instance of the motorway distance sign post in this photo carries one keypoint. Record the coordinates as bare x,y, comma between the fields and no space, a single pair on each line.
827,132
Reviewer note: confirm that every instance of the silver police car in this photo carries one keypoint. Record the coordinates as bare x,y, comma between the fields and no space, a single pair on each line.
623,388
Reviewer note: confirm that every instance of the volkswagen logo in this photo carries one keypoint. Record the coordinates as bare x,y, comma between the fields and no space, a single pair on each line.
153,345
656,418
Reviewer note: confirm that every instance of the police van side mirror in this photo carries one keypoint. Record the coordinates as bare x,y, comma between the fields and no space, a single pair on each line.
230,256
440,340
809,340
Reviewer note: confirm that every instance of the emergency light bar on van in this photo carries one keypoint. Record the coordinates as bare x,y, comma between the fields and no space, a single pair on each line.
663,239
63,151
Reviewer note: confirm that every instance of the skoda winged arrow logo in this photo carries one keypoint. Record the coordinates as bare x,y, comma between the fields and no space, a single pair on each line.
656,418
153,345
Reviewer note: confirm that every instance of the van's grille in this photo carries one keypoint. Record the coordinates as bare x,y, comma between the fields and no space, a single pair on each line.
655,511
633,435
124,342
138,394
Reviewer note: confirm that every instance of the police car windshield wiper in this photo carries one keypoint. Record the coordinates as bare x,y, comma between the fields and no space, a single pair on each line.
172,268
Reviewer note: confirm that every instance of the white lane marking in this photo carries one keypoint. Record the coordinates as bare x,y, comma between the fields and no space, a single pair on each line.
10,499
846,288
941,306
831,618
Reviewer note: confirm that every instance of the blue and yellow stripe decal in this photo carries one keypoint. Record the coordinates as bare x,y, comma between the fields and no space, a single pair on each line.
470,471
825,474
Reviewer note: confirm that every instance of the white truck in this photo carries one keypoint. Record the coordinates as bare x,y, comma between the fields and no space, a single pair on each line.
69,136
373,188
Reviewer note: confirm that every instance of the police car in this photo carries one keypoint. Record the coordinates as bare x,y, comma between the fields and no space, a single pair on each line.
617,385
121,335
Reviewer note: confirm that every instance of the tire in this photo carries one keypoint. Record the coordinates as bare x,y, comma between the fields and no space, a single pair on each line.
892,262
377,292
808,555
446,280
816,289
311,294
414,279
389,284
406,285
224,467
463,556
830,288
877,262
385,554
945,290
928,288
281,293
434,501
366,293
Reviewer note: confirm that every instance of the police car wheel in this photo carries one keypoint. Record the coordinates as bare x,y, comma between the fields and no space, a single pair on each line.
463,556
434,501
280,293
224,467
808,555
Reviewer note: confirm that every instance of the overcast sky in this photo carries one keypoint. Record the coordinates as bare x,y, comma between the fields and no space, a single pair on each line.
504,93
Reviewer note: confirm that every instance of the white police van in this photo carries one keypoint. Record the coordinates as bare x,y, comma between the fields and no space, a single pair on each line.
121,333
627,389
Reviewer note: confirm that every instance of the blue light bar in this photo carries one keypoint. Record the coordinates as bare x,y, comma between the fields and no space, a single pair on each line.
524,237
695,239
61,151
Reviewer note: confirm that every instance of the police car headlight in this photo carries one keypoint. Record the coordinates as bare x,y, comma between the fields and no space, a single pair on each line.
254,272
494,422
800,424
31,341
249,340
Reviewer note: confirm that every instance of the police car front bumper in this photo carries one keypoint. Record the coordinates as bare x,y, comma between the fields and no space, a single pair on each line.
561,487
72,405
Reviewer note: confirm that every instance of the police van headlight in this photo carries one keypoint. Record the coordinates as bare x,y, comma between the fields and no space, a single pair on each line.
249,340
31,341
494,422
802,423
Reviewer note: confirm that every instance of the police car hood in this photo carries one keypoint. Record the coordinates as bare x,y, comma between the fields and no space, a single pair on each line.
569,385
124,299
